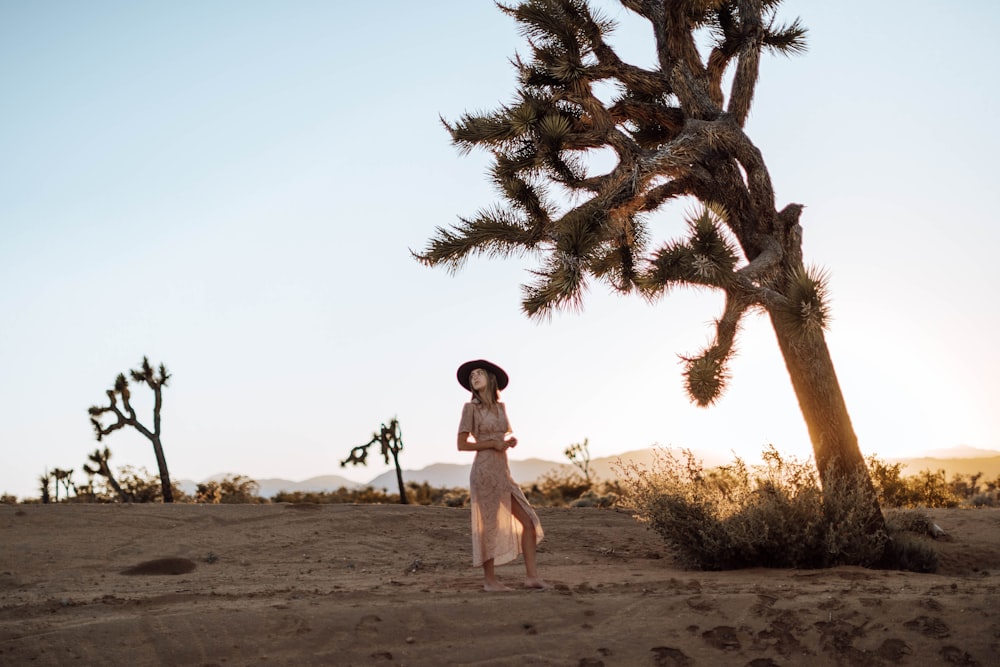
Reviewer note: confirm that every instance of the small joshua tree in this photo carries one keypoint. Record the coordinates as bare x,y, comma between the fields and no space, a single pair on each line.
101,467
391,439
43,485
65,477
579,455
125,415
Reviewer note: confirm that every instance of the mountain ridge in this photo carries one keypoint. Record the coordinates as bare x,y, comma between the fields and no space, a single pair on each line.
964,460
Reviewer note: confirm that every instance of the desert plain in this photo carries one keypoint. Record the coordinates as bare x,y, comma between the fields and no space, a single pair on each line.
302,584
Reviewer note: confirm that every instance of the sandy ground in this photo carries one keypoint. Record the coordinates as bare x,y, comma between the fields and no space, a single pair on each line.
392,585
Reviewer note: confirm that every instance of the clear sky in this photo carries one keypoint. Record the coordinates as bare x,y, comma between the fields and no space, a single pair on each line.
233,188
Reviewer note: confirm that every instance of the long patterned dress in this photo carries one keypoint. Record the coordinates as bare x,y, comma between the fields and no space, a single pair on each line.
496,532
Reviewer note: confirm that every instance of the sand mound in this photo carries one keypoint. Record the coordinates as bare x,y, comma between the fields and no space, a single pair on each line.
368,584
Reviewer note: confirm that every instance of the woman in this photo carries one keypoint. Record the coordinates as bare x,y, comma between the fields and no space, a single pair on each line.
503,523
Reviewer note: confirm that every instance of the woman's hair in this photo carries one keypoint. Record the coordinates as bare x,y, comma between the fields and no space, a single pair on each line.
492,391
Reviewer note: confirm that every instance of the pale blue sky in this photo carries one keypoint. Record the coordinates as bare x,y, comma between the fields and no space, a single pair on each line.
232,188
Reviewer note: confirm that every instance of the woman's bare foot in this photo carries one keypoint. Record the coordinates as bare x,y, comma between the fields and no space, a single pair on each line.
494,587
535,582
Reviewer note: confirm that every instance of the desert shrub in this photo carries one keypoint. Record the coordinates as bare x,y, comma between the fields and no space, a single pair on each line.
141,486
8,499
932,490
892,489
419,493
910,521
772,515
984,499
910,554
424,494
925,489
607,496
557,489
230,490
908,548
343,495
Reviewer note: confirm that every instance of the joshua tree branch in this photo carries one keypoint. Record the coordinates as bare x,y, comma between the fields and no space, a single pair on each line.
359,454
748,64
769,259
678,187
157,404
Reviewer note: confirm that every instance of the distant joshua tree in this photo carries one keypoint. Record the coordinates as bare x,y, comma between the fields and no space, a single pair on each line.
44,480
391,439
101,467
126,415
66,478
579,455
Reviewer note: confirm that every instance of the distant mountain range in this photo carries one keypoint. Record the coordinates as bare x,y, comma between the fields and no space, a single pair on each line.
957,460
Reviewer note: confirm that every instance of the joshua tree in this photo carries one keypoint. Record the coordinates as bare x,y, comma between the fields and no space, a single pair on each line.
66,477
579,455
101,459
43,481
391,439
676,132
125,415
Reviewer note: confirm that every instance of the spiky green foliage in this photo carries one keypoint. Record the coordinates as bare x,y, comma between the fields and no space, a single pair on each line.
705,377
706,257
806,309
675,134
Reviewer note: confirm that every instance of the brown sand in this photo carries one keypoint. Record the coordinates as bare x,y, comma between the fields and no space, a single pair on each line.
372,585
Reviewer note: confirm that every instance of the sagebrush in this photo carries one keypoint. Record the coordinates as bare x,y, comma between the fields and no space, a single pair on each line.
771,515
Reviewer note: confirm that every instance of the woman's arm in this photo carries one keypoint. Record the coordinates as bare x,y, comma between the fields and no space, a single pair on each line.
466,445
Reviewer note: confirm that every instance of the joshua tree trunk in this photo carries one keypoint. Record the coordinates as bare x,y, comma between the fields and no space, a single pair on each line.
399,478
122,496
822,403
835,445
154,437
161,463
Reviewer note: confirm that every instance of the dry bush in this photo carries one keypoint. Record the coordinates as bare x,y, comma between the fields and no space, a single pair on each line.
141,486
556,489
909,548
925,489
230,491
571,489
985,499
418,493
425,494
771,515
605,495
365,495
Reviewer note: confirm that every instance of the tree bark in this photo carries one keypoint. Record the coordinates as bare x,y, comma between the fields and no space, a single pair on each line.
161,463
835,445
122,496
403,500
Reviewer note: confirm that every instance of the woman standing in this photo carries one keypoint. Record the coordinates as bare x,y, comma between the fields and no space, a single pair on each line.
503,523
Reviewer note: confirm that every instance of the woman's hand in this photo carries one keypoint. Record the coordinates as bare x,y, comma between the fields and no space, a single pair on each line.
511,441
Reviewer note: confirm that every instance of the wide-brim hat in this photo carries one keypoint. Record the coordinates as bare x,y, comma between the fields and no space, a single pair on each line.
469,366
